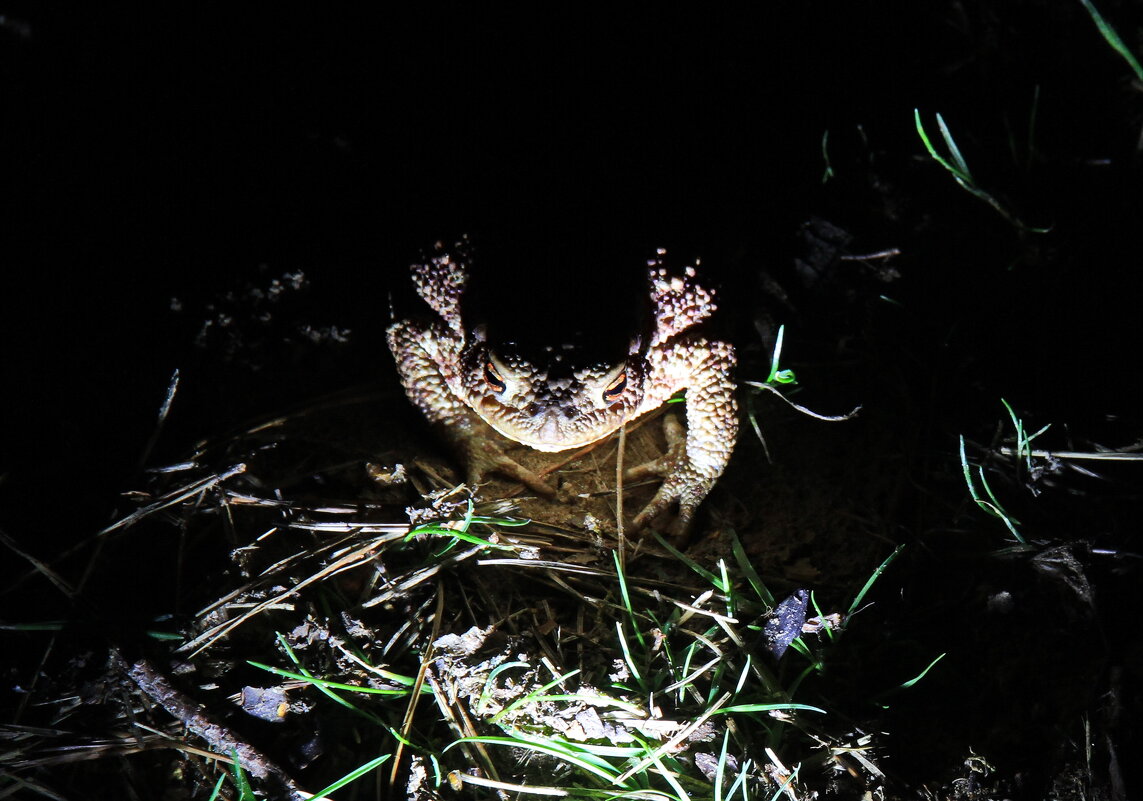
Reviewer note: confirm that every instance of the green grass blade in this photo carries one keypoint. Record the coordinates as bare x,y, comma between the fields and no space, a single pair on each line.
585,762
352,776
906,685
954,151
784,707
625,592
872,578
1112,38
747,568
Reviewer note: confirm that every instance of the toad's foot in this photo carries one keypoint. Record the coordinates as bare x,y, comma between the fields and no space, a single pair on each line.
483,455
682,482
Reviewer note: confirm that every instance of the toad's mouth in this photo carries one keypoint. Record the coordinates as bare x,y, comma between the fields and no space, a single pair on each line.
552,431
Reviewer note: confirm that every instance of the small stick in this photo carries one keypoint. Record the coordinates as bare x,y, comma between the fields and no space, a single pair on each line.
619,497
221,739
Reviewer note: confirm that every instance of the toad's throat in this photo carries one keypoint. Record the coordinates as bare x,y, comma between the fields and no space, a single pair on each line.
549,431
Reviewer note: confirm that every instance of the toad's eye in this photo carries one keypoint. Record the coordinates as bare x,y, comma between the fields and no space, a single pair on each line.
614,390
495,382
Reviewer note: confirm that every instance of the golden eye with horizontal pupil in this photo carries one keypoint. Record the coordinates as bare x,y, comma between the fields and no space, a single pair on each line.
614,390
493,378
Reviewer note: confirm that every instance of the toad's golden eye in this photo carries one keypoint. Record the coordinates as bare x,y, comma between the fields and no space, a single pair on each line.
614,390
495,382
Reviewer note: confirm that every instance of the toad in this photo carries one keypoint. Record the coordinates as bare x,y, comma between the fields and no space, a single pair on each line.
470,388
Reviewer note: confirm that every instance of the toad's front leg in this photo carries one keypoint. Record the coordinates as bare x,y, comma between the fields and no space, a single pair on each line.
692,464
423,355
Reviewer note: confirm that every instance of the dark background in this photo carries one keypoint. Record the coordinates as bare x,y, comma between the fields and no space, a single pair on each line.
163,154
157,154
160,153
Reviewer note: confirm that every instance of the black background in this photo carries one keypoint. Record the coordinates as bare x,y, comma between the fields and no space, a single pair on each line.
158,153
164,153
